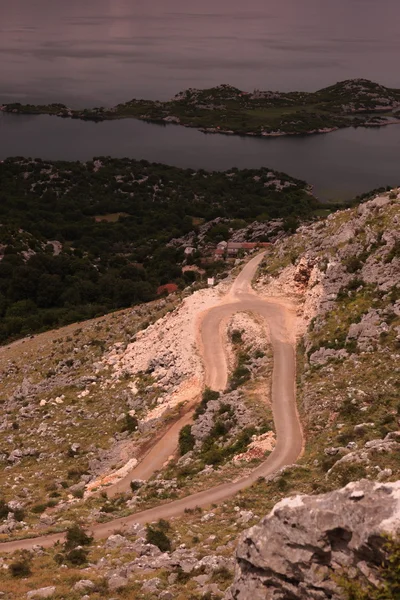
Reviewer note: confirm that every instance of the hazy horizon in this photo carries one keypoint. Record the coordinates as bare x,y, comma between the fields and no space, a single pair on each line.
103,52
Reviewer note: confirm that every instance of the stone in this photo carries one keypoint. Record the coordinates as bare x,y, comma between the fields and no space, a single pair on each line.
165,595
207,517
116,541
172,578
296,550
46,592
151,585
117,582
245,516
201,579
84,585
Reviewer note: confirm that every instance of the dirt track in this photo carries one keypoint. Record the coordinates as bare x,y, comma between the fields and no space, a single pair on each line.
280,320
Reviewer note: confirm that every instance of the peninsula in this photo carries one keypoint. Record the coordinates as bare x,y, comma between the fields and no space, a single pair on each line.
229,110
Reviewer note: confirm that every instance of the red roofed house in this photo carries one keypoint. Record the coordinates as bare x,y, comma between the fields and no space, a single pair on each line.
168,288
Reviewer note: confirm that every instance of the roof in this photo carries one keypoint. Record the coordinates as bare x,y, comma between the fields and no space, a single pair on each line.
168,287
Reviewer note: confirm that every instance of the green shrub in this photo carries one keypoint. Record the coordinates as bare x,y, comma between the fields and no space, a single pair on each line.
20,568
181,576
226,408
76,536
39,508
130,423
19,514
389,575
349,410
135,485
222,575
4,510
158,537
78,493
77,557
208,395
75,473
214,455
220,429
240,376
243,440
327,462
108,508
188,471
394,252
164,525
236,336
351,472
186,440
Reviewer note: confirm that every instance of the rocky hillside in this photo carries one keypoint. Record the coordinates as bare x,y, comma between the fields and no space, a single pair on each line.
121,378
345,274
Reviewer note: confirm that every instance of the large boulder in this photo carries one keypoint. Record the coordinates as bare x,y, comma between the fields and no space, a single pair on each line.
294,551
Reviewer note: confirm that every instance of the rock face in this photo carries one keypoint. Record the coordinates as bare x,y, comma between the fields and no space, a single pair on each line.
294,551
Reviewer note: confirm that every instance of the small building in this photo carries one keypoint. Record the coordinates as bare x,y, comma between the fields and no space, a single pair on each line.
168,288
234,247
210,281
219,253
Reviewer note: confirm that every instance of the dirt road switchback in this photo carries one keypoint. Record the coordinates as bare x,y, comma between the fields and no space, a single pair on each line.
280,319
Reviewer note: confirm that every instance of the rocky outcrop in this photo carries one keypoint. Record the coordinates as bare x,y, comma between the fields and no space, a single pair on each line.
294,551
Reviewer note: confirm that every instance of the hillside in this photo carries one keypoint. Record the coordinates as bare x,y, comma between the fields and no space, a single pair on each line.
119,380
78,240
226,109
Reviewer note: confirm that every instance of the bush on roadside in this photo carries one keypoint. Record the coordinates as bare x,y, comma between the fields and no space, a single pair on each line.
76,536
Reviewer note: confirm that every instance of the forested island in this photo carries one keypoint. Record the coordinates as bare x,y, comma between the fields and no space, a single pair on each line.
81,239
228,110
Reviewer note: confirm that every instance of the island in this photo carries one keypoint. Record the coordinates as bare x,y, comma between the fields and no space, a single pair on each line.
228,110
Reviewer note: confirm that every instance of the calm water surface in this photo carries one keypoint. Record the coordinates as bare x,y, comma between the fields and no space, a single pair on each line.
339,165
91,52
100,52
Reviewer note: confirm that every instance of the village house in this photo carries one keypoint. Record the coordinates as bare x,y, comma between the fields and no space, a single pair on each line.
232,248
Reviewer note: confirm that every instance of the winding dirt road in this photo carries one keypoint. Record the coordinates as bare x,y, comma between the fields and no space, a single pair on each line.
280,319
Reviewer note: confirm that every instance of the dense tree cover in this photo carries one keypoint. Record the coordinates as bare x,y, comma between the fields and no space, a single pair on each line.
80,239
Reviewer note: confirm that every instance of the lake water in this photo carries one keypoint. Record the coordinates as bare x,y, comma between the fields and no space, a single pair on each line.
340,165
100,52
92,52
